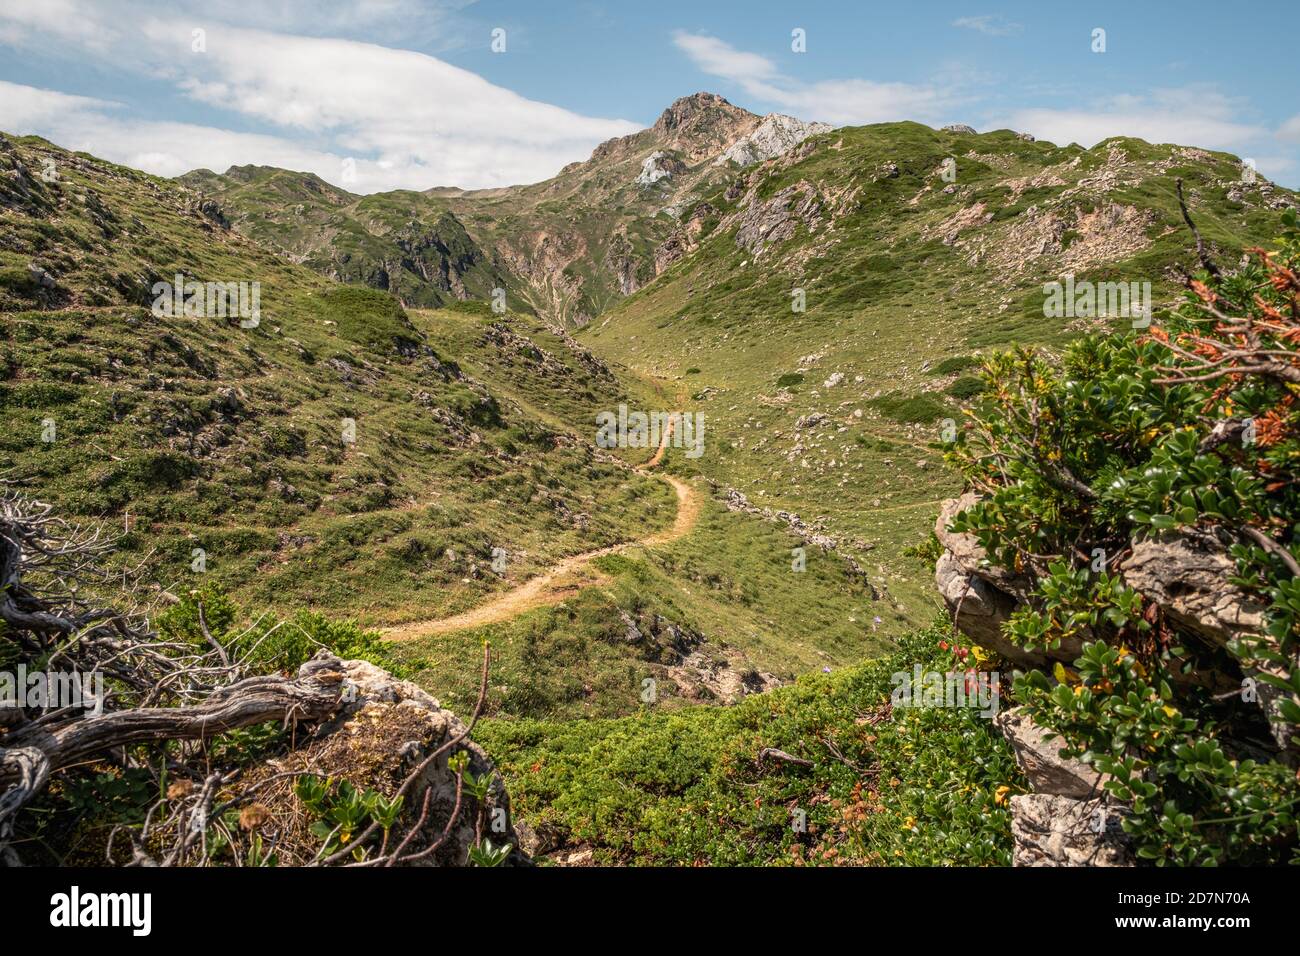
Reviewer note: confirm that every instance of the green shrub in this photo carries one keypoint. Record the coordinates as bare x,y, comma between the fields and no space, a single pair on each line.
368,317
968,386
920,786
1179,431
955,363
267,644
910,409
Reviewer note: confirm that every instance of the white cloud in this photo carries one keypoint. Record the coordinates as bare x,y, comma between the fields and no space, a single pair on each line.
1290,129
22,107
163,148
409,120
49,24
1190,116
719,58
994,26
833,101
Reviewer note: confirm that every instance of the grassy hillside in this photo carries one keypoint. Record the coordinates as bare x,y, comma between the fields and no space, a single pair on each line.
906,279
195,433
403,242
383,445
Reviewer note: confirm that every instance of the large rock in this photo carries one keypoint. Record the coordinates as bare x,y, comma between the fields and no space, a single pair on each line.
1047,771
1052,830
1188,577
775,136
981,596
760,225
658,165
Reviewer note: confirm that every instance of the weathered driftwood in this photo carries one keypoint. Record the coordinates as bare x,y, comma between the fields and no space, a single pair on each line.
31,753
188,690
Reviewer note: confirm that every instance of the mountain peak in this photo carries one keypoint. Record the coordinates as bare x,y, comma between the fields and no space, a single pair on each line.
703,124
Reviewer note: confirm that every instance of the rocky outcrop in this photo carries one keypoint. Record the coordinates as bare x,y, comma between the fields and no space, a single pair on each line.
1051,830
760,225
1189,577
980,596
384,730
702,125
775,136
703,672
659,165
622,262
1041,761
686,238
1068,820
210,210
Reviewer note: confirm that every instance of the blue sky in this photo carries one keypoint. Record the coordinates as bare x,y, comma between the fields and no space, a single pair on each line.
380,94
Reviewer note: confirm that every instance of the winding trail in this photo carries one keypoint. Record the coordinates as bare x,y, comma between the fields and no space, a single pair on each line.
568,576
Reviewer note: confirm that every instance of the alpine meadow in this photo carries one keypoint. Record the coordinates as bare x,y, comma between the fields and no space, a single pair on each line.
876,462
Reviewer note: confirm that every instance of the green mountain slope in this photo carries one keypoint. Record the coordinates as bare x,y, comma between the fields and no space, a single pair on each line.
336,455
567,248
906,278
401,242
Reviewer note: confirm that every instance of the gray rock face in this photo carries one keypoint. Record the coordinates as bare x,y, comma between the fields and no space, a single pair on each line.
41,277
764,224
1188,577
1040,759
958,128
1051,830
980,596
775,136
658,165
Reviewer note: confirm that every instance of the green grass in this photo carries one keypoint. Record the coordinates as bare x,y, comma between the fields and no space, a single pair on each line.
684,787
730,582
206,440
891,306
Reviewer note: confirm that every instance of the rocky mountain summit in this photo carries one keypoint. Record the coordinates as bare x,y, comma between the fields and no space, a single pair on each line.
775,136
565,248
